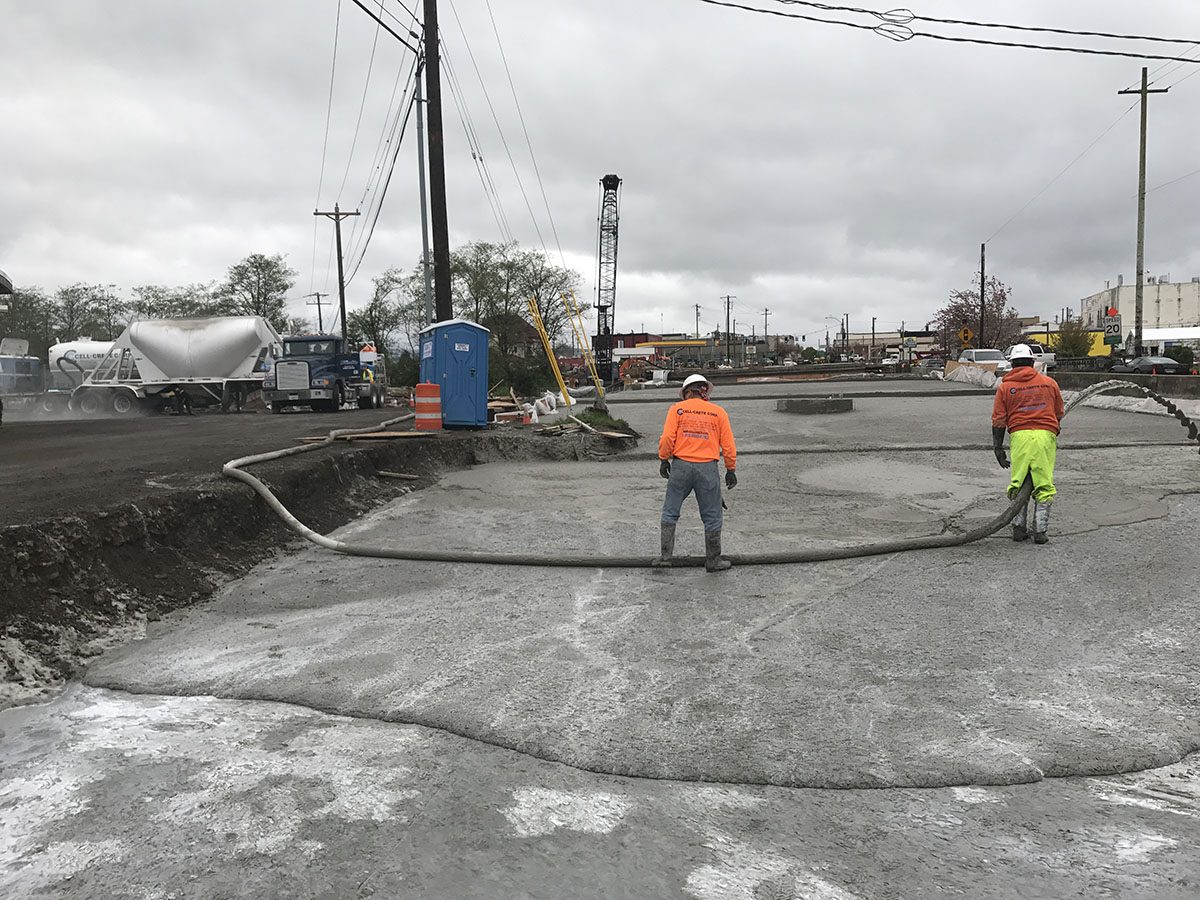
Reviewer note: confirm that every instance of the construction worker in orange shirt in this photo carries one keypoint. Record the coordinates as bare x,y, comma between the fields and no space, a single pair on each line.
1029,406
695,436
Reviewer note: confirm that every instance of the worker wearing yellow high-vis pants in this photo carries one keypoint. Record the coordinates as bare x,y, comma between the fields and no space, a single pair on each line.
1029,406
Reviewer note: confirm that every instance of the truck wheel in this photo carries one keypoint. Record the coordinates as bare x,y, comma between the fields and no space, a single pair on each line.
367,402
379,398
276,408
89,403
123,404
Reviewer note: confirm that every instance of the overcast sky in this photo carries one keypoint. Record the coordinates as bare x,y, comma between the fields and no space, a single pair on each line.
809,169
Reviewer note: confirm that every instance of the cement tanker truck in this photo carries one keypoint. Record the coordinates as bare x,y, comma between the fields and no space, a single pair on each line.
158,363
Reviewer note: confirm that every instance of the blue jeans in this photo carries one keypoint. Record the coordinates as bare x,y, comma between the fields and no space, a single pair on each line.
702,478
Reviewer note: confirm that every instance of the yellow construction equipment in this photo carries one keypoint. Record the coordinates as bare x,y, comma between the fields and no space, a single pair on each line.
536,315
575,317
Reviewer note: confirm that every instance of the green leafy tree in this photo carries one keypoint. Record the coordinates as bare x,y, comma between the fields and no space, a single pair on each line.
258,286
1074,339
30,317
156,301
382,317
1181,354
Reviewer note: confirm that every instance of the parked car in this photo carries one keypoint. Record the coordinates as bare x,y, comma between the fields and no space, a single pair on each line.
986,357
929,364
1041,355
1151,365
890,361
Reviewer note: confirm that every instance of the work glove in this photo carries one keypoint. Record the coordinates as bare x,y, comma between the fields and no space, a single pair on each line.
664,468
730,479
998,447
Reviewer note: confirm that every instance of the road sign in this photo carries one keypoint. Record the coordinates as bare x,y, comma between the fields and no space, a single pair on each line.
1112,329
965,334
910,342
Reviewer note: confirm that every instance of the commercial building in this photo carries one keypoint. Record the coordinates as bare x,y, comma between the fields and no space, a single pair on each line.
1165,304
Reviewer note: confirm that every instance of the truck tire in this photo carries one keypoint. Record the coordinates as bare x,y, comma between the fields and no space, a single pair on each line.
89,403
276,408
123,404
367,402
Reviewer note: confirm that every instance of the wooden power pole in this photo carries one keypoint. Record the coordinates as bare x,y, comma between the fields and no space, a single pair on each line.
337,215
444,308
1144,91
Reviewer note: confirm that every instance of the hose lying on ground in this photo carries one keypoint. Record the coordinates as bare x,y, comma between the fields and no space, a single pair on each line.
234,469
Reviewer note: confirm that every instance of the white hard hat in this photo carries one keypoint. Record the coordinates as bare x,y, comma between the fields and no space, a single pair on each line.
1020,351
692,381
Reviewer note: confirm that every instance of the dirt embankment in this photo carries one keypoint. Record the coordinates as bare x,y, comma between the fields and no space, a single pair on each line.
75,585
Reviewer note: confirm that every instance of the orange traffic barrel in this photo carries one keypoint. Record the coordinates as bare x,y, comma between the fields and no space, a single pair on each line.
429,407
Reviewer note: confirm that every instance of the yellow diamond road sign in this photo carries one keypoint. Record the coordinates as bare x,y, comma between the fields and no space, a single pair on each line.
965,335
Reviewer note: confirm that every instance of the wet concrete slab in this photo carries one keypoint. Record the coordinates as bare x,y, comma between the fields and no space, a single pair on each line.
994,720
110,795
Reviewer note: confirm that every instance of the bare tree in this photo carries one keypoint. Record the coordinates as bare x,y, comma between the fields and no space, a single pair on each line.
1001,326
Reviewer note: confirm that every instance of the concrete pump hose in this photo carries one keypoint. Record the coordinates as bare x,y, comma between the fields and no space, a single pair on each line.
234,469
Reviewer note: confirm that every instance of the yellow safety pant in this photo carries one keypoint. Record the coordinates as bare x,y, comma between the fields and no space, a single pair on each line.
1033,452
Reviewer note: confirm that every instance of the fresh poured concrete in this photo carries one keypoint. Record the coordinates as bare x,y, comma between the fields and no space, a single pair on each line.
533,732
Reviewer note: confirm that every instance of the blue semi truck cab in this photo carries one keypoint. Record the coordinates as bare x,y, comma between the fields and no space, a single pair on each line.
319,372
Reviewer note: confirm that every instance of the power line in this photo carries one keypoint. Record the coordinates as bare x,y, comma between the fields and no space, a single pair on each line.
503,140
382,192
475,146
1086,150
362,104
902,33
337,27
1173,181
528,143
904,16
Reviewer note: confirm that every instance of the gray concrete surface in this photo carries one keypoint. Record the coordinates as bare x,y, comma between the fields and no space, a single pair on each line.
954,723
114,796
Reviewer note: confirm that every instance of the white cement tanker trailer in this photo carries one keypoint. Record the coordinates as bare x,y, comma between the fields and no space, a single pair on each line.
156,363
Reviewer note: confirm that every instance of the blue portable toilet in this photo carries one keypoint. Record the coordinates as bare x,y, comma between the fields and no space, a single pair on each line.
454,355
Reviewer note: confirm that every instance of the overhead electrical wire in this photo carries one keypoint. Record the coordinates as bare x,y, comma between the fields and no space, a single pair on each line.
904,16
362,105
496,119
1086,150
902,33
473,145
528,143
381,193
337,27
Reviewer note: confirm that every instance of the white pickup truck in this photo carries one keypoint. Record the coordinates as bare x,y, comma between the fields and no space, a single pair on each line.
1042,357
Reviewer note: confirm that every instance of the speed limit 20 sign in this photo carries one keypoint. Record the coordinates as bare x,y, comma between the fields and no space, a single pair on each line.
1112,329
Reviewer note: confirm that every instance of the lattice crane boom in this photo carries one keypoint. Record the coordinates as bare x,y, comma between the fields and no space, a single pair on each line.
606,279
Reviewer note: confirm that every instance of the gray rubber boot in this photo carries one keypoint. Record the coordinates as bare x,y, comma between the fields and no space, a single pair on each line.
667,546
1020,524
1041,521
713,561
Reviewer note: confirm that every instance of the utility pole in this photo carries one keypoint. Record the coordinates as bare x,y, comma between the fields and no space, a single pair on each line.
420,101
437,169
766,312
697,321
872,337
337,215
846,335
982,284
1144,91
728,298
318,304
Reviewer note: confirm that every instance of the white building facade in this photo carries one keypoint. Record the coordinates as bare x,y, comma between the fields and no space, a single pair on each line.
1165,304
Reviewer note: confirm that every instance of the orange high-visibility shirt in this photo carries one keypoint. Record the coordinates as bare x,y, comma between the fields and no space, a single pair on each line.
1026,400
698,431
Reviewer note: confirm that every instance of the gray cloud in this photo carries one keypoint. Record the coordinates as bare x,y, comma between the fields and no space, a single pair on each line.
804,168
